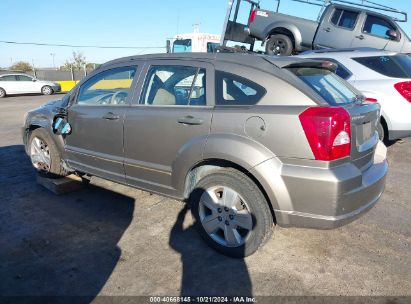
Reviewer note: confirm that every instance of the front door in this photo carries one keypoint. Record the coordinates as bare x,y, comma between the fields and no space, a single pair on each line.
375,34
95,145
27,85
338,29
172,114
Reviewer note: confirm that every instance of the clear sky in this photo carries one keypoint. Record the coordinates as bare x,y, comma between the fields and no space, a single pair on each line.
117,23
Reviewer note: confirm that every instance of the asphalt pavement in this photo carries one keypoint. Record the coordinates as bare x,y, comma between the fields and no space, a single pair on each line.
109,239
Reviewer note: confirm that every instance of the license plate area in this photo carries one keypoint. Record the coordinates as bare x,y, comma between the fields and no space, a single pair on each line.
364,132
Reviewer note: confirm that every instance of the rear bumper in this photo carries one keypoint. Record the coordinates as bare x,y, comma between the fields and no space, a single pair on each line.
326,198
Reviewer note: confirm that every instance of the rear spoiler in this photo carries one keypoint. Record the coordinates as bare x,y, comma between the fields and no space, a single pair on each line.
318,64
289,62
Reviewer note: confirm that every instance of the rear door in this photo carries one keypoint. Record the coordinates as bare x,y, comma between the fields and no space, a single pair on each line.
10,84
374,34
171,114
338,28
95,145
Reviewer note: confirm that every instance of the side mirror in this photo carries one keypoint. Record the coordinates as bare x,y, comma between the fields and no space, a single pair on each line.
61,126
392,34
168,46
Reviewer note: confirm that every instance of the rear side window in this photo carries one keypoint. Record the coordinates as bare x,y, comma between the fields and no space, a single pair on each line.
235,90
344,18
8,78
173,85
397,66
328,85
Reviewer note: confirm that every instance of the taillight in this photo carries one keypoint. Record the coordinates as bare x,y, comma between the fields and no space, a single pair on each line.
252,17
404,88
328,131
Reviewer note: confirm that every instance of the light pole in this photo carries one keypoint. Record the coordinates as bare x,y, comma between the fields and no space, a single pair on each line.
53,55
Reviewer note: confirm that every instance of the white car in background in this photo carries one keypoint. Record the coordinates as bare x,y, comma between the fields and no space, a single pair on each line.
383,77
18,83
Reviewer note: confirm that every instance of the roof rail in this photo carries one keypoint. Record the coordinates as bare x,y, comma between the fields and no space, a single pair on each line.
361,3
359,49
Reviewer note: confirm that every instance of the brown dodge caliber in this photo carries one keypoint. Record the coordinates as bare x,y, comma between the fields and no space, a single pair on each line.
248,141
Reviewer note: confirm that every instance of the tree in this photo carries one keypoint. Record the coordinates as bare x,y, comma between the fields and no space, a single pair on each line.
77,62
21,66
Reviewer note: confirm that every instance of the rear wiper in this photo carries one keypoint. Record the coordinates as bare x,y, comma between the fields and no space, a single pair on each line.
358,99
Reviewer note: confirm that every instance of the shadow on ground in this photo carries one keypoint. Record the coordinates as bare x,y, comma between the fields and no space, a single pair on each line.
56,245
68,245
205,272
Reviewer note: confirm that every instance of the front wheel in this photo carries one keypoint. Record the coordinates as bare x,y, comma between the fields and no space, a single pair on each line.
232,215
46,90
44,155
279,45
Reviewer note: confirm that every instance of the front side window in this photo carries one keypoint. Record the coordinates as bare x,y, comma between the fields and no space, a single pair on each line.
235,90
377,26
170,85
24,78
110,87
397,66
8,78
344,18
328,85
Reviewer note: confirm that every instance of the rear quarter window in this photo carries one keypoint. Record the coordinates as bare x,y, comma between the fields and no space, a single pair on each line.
236,90
397,66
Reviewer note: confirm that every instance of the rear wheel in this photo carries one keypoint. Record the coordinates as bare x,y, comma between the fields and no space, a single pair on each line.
232,215
279,45
46,90
2,93
44,154
381,131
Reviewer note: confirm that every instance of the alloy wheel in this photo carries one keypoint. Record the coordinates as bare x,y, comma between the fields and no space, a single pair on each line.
225,216
40,154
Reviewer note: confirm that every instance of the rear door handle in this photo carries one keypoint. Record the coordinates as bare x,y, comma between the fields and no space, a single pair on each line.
190,120
111,116
361,37
327,29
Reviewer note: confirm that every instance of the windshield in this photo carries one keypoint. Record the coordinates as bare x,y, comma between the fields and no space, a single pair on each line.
182,46
328,85
397,66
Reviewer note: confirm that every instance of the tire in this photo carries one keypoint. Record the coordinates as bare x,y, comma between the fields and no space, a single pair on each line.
238,231
381,131
279,45
46,90
41,143
2,93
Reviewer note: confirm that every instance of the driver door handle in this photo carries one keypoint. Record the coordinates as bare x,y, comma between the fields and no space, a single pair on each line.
361,37
111,116
190,120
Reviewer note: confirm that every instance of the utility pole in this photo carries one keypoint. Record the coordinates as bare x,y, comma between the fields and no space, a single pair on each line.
53,55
